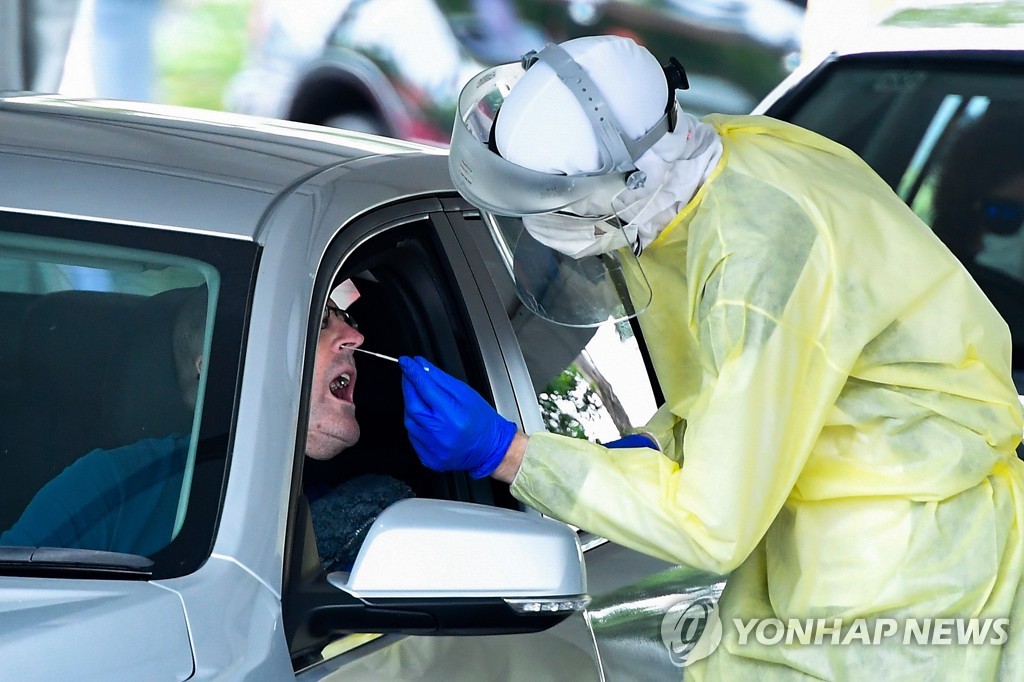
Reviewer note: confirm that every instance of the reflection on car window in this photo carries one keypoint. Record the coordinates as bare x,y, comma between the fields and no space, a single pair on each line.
591,383
947,140
106,349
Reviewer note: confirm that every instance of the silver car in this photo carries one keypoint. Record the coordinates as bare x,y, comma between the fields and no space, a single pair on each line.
110,221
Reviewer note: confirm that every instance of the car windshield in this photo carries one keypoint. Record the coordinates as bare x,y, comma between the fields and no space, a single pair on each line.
946,136
120,359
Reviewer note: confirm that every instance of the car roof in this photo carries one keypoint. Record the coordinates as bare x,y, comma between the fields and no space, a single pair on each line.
991,30
943,27
173,166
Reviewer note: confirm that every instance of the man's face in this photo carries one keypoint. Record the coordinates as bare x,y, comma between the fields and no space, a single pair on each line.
332,412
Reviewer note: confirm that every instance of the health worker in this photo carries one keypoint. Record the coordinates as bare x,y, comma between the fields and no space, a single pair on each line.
839,426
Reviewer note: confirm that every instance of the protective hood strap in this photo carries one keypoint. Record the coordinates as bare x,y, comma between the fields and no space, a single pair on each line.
622,152
676,167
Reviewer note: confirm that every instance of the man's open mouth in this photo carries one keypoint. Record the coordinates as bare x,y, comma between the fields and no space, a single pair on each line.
340,385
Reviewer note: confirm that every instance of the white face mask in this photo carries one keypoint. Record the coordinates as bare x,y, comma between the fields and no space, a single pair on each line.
674,167
579,236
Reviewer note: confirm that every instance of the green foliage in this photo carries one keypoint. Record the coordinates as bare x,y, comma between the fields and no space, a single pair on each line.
198,49
1005,13
566,398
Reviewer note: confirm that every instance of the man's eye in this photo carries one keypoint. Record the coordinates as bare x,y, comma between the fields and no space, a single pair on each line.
349,320
343,315
326,319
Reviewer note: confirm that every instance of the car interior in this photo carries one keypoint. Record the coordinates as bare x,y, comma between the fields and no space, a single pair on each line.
405,308
92,370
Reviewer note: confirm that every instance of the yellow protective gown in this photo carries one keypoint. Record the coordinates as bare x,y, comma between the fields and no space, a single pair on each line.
839,426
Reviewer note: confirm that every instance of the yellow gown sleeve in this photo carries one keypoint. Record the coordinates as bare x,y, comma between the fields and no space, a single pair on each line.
742,458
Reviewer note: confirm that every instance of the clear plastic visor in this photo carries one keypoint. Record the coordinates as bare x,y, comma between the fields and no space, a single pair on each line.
584,292
499,186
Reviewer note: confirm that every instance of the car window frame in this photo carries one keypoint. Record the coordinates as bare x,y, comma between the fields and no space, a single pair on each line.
481,357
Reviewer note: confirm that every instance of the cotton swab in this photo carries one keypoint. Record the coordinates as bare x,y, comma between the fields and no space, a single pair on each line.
378,355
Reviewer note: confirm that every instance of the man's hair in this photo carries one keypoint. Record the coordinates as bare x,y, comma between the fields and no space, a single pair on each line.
189,334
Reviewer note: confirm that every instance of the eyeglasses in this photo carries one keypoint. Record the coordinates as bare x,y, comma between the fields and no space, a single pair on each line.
1001,216
342,315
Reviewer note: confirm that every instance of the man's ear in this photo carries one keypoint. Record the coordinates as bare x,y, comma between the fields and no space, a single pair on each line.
199,365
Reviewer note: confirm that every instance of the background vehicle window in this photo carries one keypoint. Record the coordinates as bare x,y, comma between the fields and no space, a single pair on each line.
946,138
108,352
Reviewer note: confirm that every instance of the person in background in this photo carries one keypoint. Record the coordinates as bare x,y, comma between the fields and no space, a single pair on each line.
839,423
126,499
978,212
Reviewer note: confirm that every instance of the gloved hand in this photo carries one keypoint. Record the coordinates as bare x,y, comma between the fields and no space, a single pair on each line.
449,424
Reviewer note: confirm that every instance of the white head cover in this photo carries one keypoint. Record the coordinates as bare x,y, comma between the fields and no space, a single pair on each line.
542,125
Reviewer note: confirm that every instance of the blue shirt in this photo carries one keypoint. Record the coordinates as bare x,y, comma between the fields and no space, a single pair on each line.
121,500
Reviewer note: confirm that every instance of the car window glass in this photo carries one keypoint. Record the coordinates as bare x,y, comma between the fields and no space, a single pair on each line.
107,349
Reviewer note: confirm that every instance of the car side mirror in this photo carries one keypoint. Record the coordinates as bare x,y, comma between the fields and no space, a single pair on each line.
440,567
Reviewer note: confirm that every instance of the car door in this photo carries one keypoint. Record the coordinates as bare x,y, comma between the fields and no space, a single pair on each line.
112,464
416,296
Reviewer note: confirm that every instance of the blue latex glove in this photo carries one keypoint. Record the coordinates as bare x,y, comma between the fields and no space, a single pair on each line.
635,440
449,424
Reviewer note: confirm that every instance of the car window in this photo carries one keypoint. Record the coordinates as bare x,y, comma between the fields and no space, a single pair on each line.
946,137
392,276
107,346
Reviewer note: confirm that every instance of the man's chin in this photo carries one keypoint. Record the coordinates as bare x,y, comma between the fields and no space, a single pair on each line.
322,446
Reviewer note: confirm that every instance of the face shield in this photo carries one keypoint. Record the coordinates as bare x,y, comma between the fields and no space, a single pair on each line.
594,277
575,292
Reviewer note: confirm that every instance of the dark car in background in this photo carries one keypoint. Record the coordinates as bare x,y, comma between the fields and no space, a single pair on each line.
933,100
395,67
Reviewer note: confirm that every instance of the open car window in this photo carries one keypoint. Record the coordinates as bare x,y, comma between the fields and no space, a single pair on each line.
392,273
121,347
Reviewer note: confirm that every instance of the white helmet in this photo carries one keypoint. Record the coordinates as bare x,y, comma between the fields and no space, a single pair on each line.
574,119
543,125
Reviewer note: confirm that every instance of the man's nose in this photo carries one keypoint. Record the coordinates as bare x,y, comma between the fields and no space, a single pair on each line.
349,338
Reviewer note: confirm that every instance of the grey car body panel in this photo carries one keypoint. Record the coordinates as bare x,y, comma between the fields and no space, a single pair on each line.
86,629
196,176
